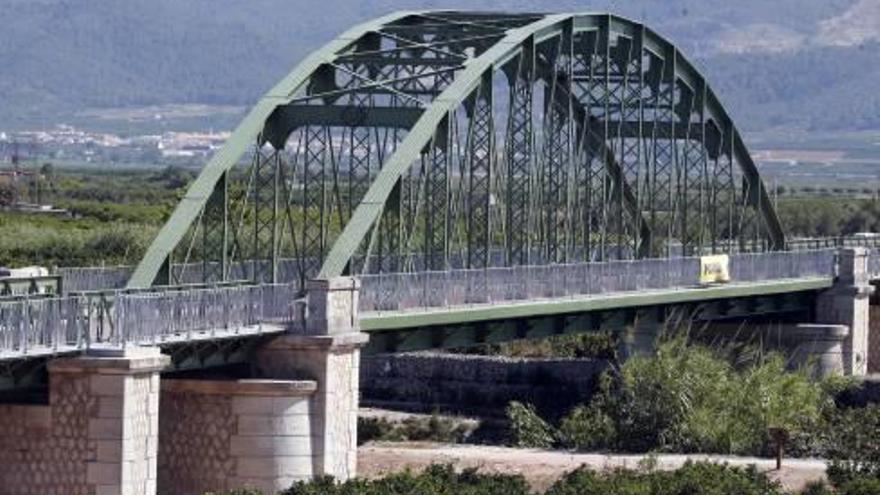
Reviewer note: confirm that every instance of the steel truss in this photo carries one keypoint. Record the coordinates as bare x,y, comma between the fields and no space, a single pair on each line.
437,140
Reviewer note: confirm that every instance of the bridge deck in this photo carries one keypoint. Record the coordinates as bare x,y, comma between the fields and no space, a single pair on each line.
216,334
32,327
421,317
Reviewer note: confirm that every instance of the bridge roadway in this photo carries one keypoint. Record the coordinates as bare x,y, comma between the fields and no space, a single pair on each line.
410,311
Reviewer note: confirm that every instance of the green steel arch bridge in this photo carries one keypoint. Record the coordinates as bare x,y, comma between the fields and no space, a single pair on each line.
438,140
432,179
486,176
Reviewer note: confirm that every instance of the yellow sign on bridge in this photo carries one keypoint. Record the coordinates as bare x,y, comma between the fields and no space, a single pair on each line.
714,269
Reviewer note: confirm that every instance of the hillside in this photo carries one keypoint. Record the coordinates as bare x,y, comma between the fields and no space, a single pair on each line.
806,63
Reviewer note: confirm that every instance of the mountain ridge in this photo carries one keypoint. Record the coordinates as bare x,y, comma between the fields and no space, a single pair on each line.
61,57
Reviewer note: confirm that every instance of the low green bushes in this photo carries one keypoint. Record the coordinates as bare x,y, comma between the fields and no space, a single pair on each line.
688,399
699,478
434,429
601,345
853,444
436,480
47,241
527,428
691,479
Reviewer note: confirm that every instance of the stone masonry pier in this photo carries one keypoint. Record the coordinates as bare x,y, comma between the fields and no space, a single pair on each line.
113,427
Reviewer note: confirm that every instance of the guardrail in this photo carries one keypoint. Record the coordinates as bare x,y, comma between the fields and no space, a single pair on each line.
49,325
79,279
44,284
833,242
412,291
46,324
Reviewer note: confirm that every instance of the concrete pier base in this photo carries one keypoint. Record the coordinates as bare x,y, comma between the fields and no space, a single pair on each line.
330,355
97,436
236,434
333,362
818,346
847,303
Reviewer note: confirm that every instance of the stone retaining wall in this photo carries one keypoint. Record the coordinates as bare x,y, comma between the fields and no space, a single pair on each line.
475,384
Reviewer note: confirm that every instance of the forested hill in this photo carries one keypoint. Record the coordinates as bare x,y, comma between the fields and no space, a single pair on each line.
805,63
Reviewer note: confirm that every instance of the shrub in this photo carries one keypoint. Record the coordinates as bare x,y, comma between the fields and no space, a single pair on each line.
816,488
854,445
688,399
597,345
436,480
580,345
691,479
434,428
527,428
29,240
694,478
587,427
861,486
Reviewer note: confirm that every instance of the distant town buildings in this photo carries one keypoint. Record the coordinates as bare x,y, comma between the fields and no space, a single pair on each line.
68,143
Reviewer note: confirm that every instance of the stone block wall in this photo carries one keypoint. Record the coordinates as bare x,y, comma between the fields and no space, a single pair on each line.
344,368
481,385
333,363
44,449
225,435
97,436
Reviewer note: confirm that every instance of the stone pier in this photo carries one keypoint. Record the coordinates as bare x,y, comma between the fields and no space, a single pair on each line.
296,420
818,346
236,434
847,303
98,435
329,354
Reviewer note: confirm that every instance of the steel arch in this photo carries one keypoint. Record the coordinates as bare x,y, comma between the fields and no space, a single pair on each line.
637,156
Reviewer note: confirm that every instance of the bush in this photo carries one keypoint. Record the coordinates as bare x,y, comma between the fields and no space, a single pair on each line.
28,240
694,478
433,428
436,480
527,428
691,479
854,445
601,345
860,486
687,399
587,427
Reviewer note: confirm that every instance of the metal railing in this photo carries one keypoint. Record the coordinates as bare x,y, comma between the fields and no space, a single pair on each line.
35,325
47,325
80,279
833,242
411,291
41,324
